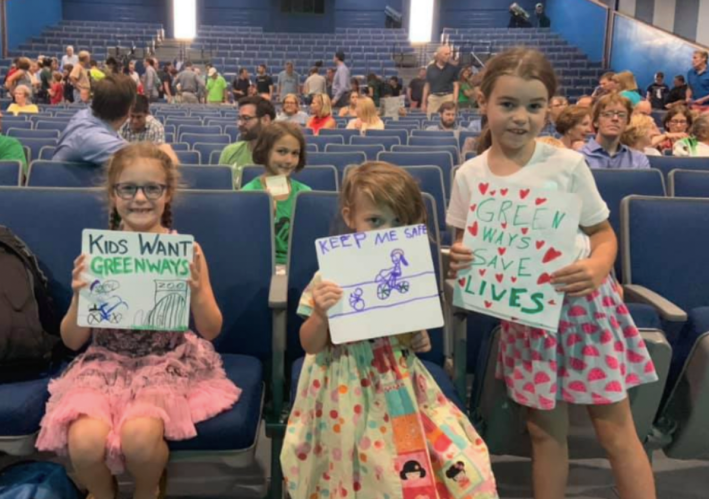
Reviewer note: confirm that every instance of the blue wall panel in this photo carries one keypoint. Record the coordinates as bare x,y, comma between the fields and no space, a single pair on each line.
493,13
686,18
644,50
154,11
27,18
581,22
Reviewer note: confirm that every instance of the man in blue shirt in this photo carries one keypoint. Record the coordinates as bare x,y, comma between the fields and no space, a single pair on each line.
341,83
698,80
610,117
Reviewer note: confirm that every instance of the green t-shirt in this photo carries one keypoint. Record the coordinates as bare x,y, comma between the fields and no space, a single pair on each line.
11,150
284,212
461,95
236,155
215,89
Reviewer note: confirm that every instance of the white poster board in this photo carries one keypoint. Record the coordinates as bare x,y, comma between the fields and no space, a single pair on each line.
388,281
391,106
519,238
136,280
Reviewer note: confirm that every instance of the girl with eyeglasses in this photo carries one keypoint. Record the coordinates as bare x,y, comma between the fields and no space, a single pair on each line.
677,123
131,390
697,144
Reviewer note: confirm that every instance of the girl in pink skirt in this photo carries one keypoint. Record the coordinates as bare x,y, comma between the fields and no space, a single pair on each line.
598,353
118,402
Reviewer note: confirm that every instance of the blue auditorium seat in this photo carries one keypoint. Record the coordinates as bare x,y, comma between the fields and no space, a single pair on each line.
344,132
689,183
453,150
206,150
386,142
442,159
197,129
323,140
445,134
318,178
16,124
36,145
370,151
668,163
339,160
189,157
64,174
403,135
180,146
207,177
10,173
194,138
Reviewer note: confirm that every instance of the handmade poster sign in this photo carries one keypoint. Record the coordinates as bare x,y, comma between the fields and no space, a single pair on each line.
136,280
388,282
392,106
519,238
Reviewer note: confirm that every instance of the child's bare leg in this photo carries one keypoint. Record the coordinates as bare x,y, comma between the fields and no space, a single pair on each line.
616,432
550,454
146,454
87,450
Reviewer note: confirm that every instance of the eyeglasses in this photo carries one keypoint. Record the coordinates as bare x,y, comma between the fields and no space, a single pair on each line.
128,191
245,119
621,115
678,122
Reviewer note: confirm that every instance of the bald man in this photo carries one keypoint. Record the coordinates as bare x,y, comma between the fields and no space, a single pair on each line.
441,82
585,101
643,107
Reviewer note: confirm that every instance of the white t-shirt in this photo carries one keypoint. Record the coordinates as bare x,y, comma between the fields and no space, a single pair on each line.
550,168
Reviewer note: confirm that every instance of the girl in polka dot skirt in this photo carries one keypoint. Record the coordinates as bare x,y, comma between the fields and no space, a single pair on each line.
597,353
369,421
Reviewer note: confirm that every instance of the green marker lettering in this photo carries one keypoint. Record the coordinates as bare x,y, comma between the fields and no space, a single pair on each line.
522,269
488,215
538,299
558,217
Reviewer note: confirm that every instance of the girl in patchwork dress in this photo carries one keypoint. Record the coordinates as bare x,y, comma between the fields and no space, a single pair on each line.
597,354
117,403
369,421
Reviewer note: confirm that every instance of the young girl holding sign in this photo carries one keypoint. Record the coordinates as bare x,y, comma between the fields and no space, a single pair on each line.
281,150
598,353
116,404
368,417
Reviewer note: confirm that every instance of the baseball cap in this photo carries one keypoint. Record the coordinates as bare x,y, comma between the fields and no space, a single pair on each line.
212,71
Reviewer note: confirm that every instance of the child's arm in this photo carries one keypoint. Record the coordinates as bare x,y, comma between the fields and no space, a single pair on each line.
314,335
206,313
585,276
73,335
421,342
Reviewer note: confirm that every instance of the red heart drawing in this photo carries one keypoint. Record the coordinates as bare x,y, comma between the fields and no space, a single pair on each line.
552,302
492,193
501,251
525,230
514,279
472,208
483,187
550,255
473,229
540,201
544,278
504,225
461,281
488,304
499,277
503,192
523,193
540,244
482,272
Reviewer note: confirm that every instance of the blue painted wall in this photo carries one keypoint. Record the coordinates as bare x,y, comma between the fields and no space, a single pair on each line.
27,18
581,22
495,13
155,11
645,50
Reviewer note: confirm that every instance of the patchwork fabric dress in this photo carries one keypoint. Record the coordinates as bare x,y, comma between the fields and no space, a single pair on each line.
173,376
369,421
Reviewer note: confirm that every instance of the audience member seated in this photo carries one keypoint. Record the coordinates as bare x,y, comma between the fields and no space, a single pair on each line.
641,135
80,75
354,86
241,84
69,58
574,124
676,123
288,82
141,126
21,75
678,94
643,107
22,104
606,85
255,113
697,144
281,150
216,87
350,110
466,92
628,87
321,109
314,84
448,113
556,105
367,117
189,85
415,90
291,111
657,91
11,149
92,134
610,118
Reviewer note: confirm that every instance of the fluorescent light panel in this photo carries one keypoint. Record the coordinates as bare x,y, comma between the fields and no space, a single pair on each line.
421,21
185,16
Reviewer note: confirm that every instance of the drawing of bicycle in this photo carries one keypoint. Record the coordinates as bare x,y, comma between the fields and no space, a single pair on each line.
356,300
107,311
389,280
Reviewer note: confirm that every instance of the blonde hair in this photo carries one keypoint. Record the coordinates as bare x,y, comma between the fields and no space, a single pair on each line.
25,89
367,111
700,127
626,80
552,141
326,108
385,185
130,155
295,98
640,127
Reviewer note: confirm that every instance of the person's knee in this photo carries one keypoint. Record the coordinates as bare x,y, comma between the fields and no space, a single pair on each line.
547,427
140,439
87,442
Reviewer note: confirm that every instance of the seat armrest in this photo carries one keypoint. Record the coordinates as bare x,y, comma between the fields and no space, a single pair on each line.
278,303
278,292
635,293
459,327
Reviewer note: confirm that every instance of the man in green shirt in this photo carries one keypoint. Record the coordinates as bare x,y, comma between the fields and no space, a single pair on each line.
255,113
216,87
12,150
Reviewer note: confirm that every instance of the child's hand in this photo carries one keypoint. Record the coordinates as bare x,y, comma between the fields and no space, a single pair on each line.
326,295
580,278
461,257
195,280
421,342
77,281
